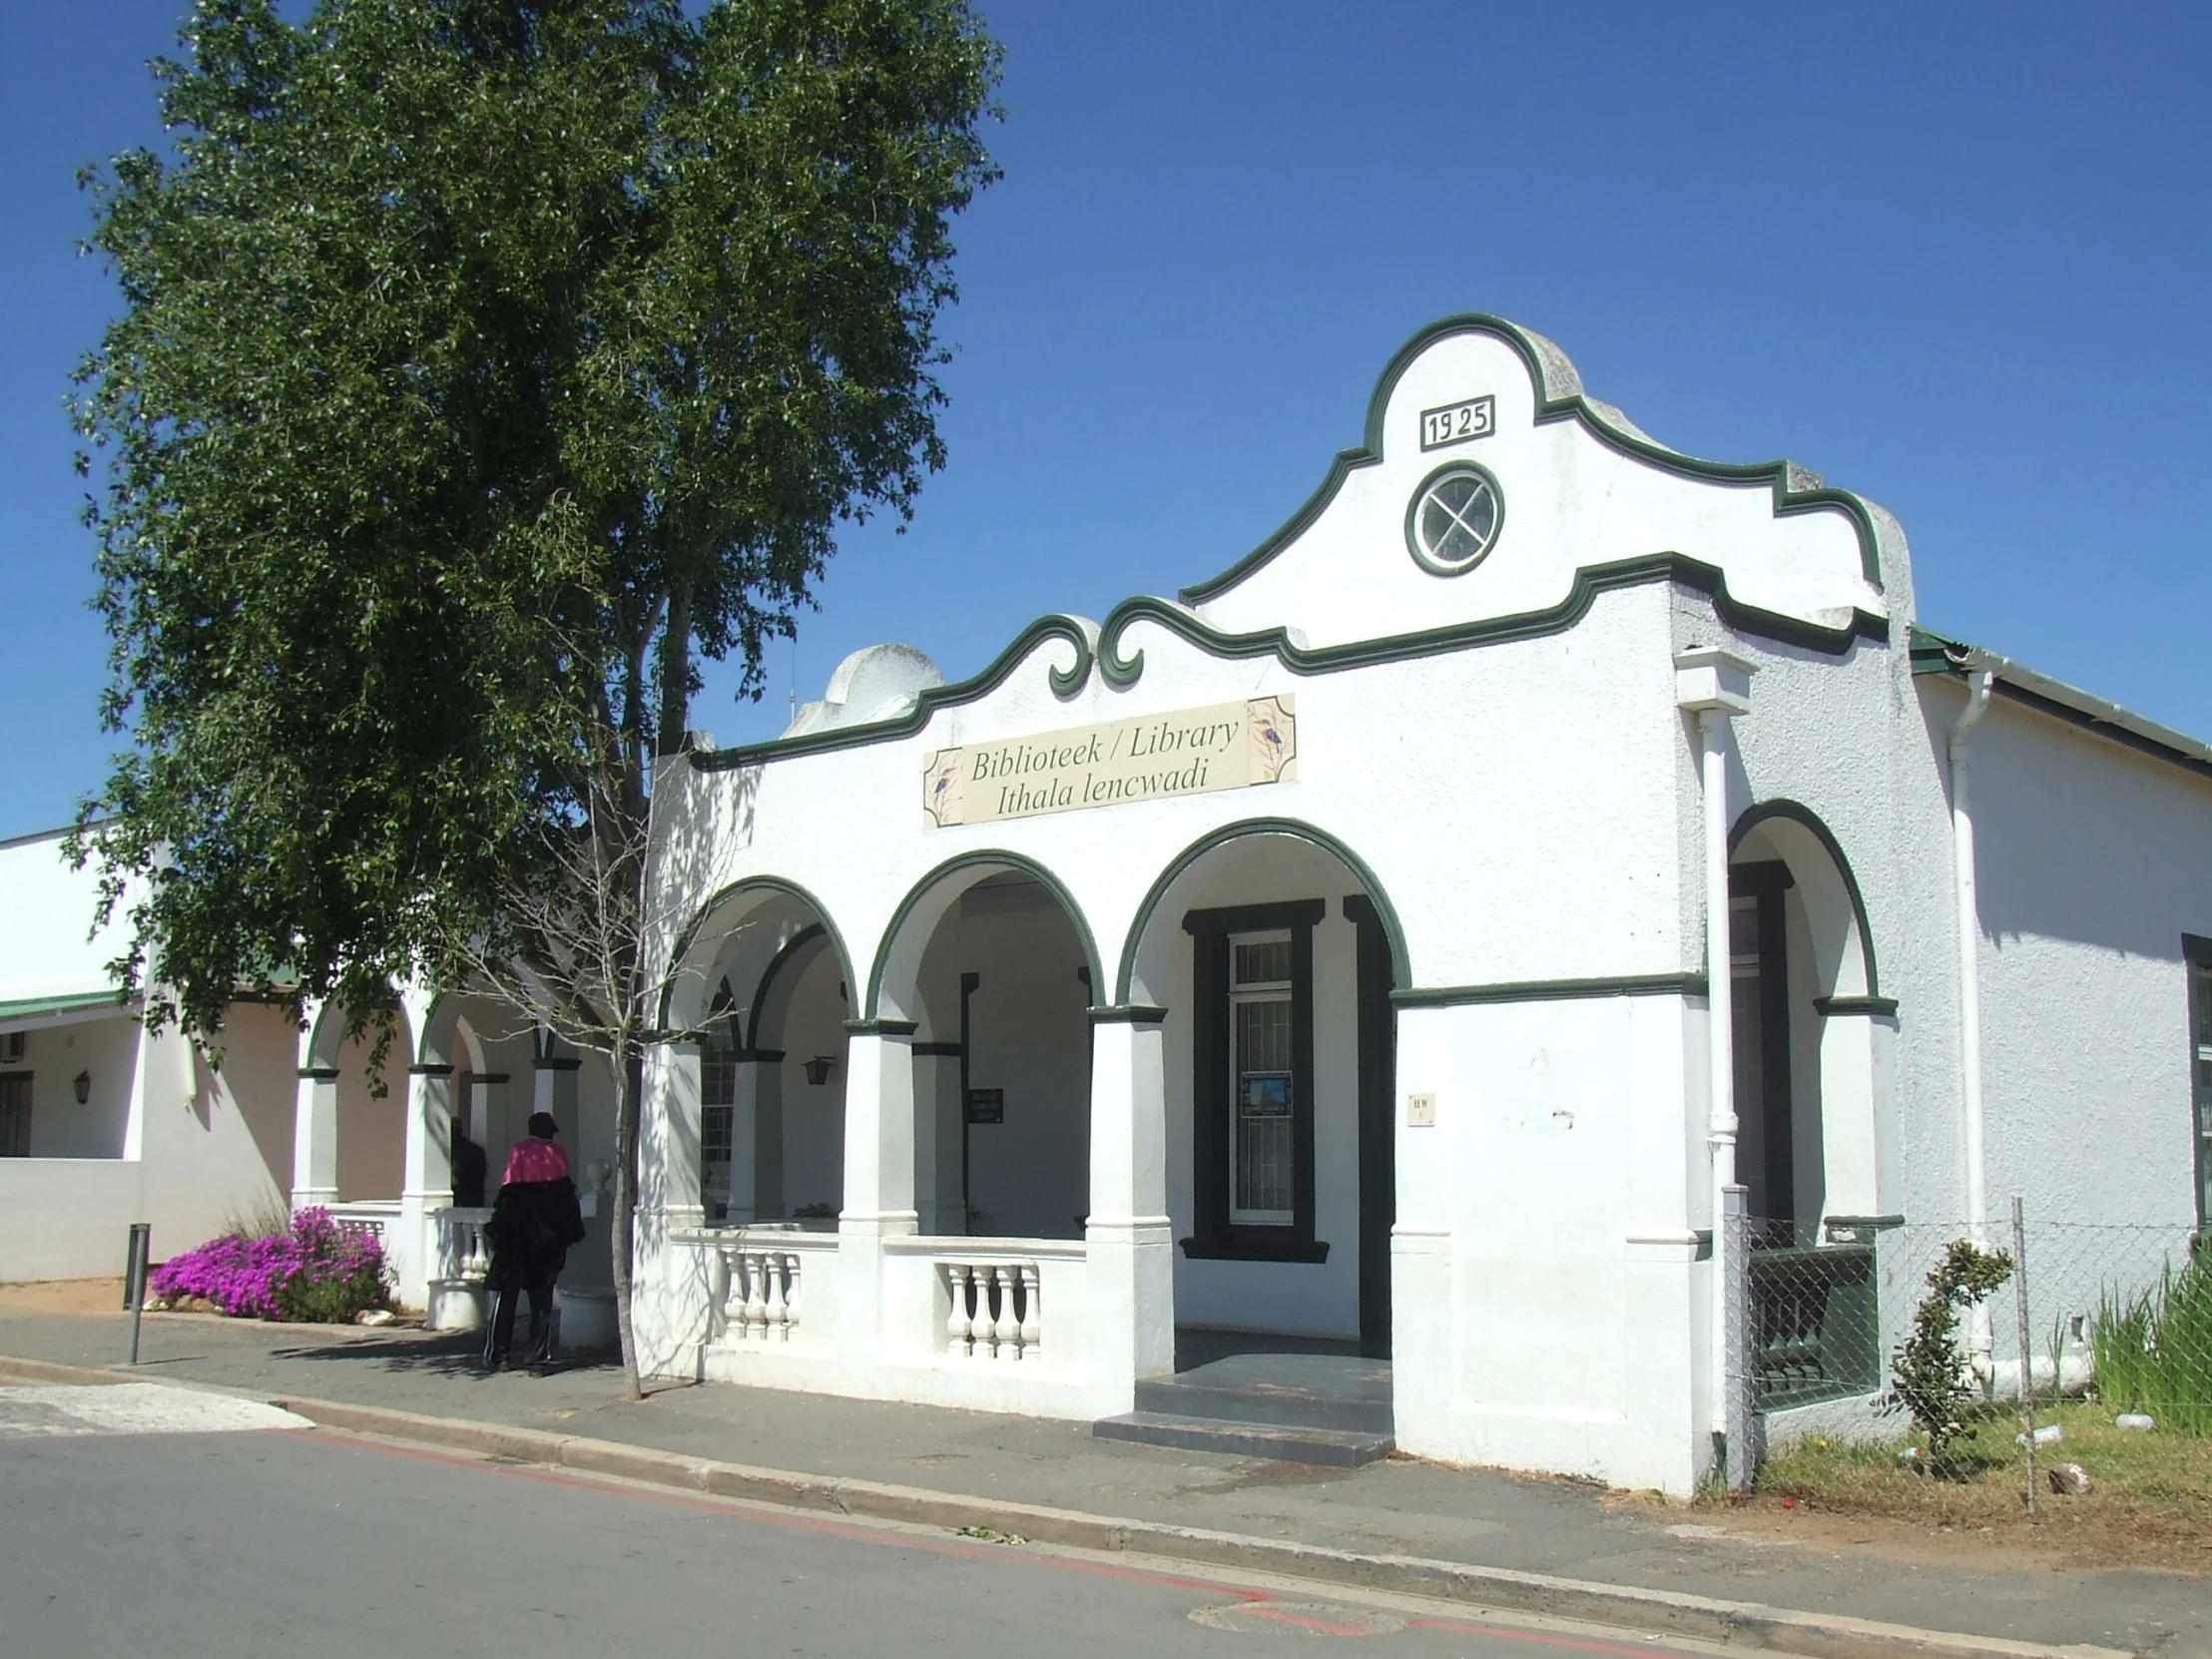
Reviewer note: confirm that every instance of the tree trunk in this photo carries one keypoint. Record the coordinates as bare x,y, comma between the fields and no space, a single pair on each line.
629,1080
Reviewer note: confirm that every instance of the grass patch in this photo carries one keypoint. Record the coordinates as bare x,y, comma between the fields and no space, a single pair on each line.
2152,1506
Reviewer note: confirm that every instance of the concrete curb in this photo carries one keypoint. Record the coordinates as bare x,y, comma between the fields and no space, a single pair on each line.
1500,1589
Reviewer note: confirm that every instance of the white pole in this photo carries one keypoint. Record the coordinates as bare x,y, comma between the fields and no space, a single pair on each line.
1721,1122
1971,1134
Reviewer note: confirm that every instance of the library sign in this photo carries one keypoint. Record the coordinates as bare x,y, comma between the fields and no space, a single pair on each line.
1229,746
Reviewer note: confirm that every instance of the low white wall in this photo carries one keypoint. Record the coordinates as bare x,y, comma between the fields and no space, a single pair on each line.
66,1218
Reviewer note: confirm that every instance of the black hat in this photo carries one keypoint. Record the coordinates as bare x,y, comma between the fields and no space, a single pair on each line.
543,1126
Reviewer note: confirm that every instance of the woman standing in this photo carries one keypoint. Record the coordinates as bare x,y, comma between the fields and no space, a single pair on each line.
533,1222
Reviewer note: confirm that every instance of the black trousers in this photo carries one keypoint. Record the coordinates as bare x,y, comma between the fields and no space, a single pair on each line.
499,1330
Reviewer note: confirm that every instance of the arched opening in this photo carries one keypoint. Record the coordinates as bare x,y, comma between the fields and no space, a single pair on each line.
369,1121
1807,1012
991,960
484,1052
758,1109
1273,953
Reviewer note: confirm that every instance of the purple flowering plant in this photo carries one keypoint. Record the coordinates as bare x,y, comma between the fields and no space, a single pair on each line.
312,1270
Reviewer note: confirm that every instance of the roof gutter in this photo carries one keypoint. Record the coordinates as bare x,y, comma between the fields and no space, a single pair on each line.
1934,654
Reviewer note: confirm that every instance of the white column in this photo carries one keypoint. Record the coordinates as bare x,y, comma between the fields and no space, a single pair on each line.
878,1178
937,1140
1716,685
428,1185
1130,1240
668,1282
745,1121
1967,908
315,1139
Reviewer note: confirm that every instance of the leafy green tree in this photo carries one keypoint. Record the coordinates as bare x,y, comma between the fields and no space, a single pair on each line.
483,367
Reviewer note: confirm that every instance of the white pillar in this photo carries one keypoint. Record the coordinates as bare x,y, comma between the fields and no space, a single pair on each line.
878,1176
428,1185
937,1109
1716,685
1130,1240
315,1139
669,1291
1967,908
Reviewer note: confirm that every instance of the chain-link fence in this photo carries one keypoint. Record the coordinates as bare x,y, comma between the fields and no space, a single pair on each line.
2120,1311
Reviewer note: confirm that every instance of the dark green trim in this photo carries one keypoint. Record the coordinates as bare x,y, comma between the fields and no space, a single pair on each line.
1400,970
556,1063
1213,1086
1253,919
789,948
320,1074
489,1077
1065,684
1552,991
759,1056
1375,1033
1122,672
430,1070
31,1007
751,884
940,1051
1838,1007
1795,490
1421,556
1243,1246
1589,582
1803,815
1939,655
1130,1013
999,858
881,1027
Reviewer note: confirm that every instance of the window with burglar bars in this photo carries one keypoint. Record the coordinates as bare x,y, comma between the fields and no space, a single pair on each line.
717,1097
1262,1148
15,1115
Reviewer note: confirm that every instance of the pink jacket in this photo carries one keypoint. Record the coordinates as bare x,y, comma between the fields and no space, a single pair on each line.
536,1160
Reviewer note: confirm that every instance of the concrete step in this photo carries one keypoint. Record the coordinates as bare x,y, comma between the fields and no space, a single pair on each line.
1300,1399
1335,1448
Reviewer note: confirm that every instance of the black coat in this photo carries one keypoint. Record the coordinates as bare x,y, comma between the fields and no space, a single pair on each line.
532,1225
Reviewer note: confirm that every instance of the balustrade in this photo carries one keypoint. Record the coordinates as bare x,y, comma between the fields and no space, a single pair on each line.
997,1310
758,1291
464,1253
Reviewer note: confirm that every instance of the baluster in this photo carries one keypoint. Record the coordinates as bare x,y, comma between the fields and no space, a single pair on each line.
479,1252
791,1294
986,1322
741,1292
717,1291
771,1267
755,1305
1033,1311
956,1326
1007,1333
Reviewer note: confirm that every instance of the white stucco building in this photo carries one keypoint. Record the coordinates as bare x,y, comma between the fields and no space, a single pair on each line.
1324,955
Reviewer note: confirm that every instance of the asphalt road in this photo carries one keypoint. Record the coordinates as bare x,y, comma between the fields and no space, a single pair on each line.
146,1522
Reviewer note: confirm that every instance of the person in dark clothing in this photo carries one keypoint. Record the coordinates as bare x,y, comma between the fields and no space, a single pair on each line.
468,1171
533,1222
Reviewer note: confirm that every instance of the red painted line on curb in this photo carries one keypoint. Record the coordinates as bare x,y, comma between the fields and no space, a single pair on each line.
1307,1623
1538,1637
743,1508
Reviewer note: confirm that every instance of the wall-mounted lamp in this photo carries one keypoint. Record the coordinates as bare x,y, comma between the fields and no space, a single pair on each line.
82,1086
817,1069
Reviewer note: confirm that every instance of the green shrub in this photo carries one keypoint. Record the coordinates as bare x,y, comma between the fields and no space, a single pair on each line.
1927,1373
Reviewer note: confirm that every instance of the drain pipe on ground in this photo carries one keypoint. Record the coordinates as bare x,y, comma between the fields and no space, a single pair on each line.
1715,686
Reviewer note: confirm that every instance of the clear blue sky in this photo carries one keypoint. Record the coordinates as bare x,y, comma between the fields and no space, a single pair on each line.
1954,257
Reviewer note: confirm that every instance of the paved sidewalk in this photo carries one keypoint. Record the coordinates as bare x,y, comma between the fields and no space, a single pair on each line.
1398,1507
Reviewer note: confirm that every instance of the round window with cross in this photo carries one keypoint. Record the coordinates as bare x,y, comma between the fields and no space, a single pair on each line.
1454,518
